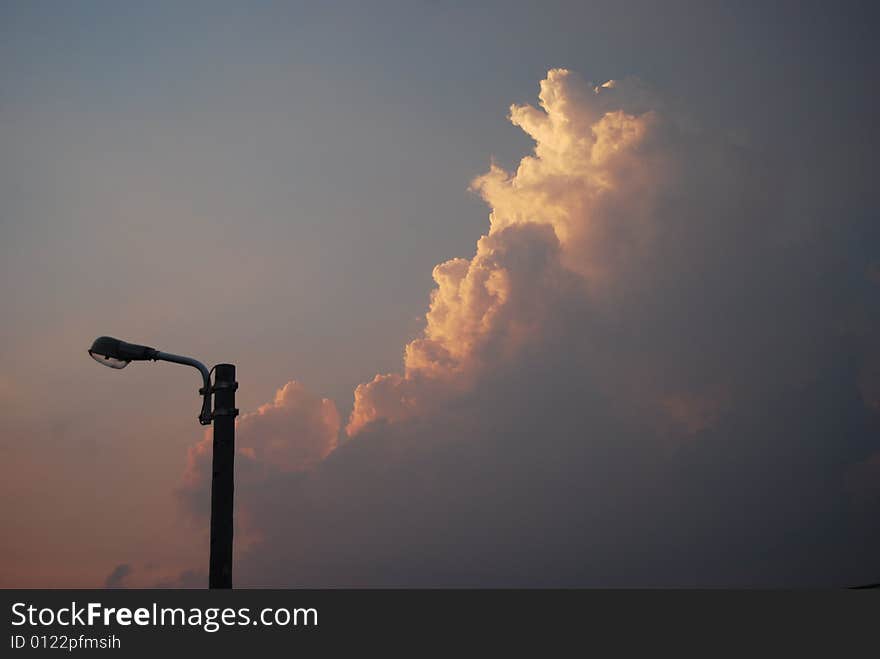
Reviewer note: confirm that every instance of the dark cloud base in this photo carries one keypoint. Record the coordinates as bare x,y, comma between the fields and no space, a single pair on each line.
653,372
760,501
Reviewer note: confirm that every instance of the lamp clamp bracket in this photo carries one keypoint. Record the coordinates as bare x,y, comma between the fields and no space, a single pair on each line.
218,386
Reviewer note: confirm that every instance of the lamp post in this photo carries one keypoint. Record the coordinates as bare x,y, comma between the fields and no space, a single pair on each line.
118,354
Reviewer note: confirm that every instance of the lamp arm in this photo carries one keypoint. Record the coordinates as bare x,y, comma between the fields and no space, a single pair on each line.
205,415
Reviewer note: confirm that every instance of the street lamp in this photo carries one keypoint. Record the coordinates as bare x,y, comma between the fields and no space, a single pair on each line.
118,354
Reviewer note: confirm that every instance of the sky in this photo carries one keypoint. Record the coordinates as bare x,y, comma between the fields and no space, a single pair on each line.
497,321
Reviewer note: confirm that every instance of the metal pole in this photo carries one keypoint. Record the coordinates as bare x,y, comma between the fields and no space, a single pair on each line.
220,574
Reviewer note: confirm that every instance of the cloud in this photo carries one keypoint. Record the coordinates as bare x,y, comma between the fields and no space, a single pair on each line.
646,374
483,313
189,579
291,434
567,211
118,576
151,575
657,244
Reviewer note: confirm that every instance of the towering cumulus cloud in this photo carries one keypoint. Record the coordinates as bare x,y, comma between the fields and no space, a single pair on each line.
569,209
624,227
649,372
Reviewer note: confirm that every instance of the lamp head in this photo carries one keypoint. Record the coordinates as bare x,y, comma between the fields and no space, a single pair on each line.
117,354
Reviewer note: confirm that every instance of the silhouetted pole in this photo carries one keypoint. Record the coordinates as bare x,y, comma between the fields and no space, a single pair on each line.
222,488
